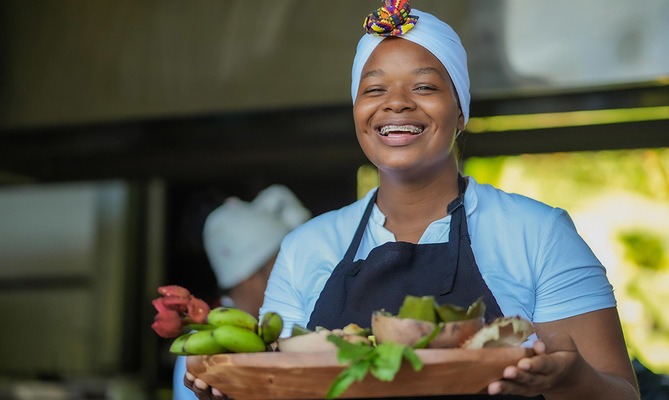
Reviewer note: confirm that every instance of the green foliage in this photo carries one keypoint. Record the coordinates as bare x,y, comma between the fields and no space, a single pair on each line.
382,361
644,249
485,170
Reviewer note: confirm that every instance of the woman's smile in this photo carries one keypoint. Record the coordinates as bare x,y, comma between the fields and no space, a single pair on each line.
399,134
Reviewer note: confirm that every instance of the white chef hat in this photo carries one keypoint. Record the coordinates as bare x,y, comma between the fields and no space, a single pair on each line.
436,36
239,237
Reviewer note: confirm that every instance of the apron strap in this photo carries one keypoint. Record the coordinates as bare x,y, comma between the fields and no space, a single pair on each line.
357,238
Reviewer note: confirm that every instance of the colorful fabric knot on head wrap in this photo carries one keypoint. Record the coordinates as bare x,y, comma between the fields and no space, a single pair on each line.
392,19
434,35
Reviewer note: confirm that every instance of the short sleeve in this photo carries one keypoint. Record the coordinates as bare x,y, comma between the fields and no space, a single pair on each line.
570,279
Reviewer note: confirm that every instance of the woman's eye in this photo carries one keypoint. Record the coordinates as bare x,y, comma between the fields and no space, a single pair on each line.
373,90
425,88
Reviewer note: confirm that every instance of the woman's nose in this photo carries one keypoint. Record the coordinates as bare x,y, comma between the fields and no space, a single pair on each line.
399,100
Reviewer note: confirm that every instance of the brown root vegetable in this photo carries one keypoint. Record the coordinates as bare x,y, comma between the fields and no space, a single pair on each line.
409,331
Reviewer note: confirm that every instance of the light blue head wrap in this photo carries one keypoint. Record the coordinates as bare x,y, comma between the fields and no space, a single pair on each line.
438,38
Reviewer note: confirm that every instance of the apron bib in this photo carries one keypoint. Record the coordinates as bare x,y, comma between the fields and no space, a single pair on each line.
393,270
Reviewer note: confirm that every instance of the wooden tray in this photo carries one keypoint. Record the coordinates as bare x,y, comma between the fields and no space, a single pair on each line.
309,375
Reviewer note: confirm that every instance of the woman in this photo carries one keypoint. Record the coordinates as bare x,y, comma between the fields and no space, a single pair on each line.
427,230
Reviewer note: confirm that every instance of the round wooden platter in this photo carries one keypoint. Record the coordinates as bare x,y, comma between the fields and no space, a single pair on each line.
276,375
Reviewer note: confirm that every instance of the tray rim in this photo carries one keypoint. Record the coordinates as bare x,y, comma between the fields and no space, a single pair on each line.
283,365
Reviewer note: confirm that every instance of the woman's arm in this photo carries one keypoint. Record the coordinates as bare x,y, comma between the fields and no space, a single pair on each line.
581,357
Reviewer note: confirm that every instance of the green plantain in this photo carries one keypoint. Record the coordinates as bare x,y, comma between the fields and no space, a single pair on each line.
238,339
202,343
220,316
270,327
177,346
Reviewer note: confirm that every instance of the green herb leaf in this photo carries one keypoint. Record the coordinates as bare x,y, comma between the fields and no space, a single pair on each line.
411,356
349,351
388,361
382,361
355,372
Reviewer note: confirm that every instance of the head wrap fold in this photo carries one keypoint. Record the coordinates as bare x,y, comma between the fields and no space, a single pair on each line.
392,19
434,35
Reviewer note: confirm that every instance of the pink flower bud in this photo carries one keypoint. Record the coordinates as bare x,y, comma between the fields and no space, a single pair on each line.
167,323
178,304
174,291
198,310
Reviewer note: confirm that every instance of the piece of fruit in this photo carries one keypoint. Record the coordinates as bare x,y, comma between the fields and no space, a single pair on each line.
502,332
418,308
270,327
177,346
238,340
232,316
420,316
202,343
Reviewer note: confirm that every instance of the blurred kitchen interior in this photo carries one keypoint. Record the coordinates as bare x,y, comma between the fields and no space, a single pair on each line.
123,123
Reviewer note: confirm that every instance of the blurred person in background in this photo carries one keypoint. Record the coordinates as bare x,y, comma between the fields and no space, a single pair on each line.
242,240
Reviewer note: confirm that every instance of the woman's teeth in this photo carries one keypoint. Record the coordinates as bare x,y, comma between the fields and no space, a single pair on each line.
385,130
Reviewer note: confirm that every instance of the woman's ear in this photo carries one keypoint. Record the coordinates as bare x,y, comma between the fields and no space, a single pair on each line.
461,121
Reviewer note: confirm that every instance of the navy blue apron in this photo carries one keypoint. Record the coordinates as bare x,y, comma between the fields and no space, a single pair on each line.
393,270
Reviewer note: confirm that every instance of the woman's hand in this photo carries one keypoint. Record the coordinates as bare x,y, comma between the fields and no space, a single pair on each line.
555,361
202,389
581,357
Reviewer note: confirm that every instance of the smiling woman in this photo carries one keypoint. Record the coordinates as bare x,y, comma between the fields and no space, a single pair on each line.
426,230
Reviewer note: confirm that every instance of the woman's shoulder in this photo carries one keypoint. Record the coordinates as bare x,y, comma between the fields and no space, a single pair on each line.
489,197
495,206
332,224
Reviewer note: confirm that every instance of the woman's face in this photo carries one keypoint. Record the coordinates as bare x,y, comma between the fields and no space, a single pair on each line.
406,113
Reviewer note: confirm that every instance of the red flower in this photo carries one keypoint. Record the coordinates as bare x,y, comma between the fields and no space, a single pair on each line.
178,304
174,291
198,310
177,308
167,323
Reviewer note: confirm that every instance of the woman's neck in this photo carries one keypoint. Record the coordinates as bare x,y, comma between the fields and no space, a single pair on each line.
411,207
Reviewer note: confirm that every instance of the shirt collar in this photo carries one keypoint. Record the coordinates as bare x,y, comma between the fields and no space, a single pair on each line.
436,230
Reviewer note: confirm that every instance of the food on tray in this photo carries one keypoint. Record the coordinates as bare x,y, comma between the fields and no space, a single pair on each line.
229,330
502,332
177,307
200,331
380,351
221,316
198,342
419,323
305,341
270,327
419,317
